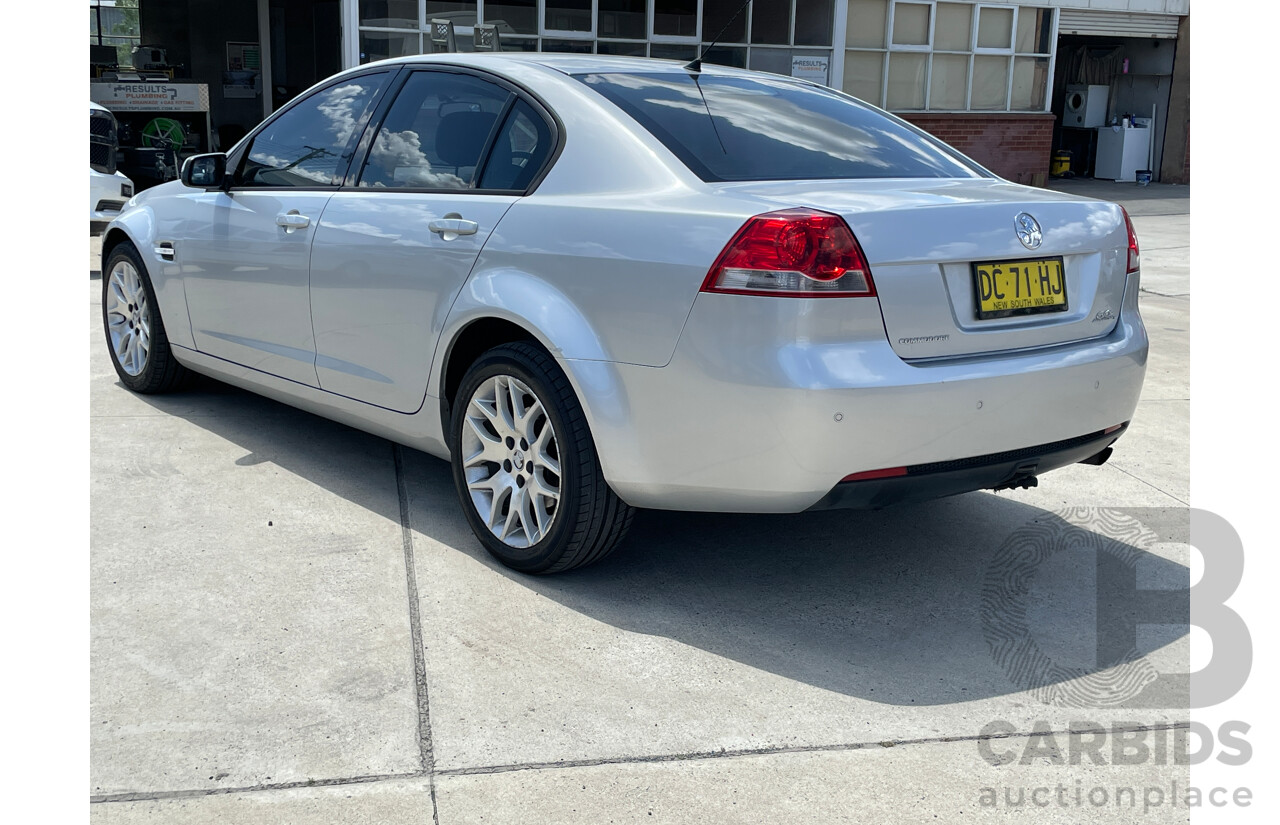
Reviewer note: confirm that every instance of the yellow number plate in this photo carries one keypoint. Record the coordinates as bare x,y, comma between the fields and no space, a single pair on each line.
1005,288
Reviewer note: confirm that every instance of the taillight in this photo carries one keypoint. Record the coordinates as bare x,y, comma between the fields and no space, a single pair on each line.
1135,259
800,253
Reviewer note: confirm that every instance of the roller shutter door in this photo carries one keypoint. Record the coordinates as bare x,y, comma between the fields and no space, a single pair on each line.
1117,23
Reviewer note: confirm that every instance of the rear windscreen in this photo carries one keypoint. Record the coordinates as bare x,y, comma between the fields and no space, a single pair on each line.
729,128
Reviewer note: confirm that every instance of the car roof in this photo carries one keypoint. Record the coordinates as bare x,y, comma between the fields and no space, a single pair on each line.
569,64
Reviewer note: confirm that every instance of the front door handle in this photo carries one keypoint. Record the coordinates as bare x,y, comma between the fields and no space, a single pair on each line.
292,220
452,225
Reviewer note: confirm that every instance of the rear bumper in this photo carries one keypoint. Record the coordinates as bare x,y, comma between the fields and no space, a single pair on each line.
923,482
768,404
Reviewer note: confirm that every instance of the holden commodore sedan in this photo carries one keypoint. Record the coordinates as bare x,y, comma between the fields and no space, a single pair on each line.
595,284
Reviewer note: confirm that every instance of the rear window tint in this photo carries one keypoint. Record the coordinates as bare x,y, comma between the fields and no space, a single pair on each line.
727,128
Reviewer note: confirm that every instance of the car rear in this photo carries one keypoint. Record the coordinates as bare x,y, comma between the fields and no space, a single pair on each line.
890,323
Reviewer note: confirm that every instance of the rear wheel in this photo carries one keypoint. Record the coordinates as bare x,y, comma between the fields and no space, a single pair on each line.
526,467
136,339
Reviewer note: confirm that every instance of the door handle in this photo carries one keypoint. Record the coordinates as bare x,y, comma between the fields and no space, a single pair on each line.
292,220
451,226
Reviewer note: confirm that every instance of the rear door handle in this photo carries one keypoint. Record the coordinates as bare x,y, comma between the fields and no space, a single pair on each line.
450,227
292,220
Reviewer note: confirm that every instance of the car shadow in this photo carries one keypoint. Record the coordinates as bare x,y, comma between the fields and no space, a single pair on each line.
950,601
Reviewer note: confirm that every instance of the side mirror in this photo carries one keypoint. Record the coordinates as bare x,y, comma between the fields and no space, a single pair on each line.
204,171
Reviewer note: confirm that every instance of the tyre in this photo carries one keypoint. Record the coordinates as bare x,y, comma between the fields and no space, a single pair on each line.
136,339
526,468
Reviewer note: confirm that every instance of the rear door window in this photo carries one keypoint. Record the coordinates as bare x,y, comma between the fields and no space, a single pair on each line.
728,128
435,132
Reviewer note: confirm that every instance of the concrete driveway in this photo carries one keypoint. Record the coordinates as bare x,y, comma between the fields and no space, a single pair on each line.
292,623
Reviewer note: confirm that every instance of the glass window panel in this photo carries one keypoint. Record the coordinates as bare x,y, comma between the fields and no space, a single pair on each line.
390,14
1030,80
518,44
910,24
675,18
519,150
568,15
813,22
777,61
866,23
863,73
906,80
621,48
735,56
117,21
771,21
567,46
1035,27
716,14
311,143
622,18
990,82
434,133
461,12
520,16
381,45
954,29
948,80
673,51
995,28
763,127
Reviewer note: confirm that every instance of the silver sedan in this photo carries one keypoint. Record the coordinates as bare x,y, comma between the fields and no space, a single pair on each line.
595,284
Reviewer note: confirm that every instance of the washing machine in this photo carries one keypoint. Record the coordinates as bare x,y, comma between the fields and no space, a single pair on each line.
1085,106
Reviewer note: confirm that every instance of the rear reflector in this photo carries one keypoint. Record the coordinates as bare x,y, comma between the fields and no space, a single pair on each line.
891,472
1110,430
797,253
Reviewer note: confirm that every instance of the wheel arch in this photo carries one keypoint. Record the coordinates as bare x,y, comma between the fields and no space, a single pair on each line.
503,306
137,226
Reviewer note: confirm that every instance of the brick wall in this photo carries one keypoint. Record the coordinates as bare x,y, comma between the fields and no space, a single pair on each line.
1014,146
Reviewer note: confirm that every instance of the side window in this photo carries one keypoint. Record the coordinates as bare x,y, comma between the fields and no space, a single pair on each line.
311,144
434,132
520,150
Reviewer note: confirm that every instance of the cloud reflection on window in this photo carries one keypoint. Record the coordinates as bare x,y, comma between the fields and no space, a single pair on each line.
766,129
304,146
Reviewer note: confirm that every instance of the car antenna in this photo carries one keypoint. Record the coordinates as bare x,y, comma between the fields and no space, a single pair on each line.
695,65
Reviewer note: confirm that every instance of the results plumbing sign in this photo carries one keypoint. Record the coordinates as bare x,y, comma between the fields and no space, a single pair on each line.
810,68
151,97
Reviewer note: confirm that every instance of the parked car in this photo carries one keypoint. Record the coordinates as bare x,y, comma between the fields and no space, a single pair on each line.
595,284
109,188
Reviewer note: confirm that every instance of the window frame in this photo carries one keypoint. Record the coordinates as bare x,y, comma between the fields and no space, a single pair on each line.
240,154
651,12
571,34
1010,54
361,155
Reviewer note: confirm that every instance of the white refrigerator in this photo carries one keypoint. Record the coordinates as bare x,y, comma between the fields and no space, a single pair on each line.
1121,152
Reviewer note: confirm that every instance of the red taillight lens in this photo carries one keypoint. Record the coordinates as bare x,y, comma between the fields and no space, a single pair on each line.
1135,259
799,253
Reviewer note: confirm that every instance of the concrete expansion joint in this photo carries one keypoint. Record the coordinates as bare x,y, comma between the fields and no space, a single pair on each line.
1148,483
630,760
426,754
776,750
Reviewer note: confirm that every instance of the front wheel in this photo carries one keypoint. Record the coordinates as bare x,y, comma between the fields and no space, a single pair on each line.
136,339
526,467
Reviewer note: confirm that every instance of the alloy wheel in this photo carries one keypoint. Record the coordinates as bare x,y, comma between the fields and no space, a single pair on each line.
128,318
511,461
